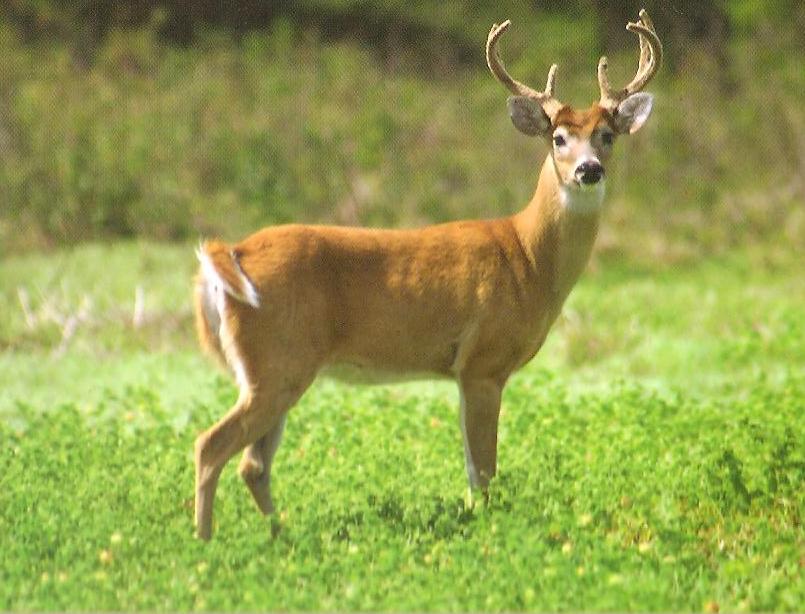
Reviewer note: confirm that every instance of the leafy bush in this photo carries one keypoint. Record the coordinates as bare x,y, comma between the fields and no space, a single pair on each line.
226,135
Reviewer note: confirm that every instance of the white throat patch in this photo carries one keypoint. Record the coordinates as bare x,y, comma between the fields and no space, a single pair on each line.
582,199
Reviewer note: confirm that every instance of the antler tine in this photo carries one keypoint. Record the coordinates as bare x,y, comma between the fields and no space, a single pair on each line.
603,81
549,85
645,49
650,52
495,63
648,63
549,104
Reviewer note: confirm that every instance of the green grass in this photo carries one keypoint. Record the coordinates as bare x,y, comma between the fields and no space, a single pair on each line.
651,457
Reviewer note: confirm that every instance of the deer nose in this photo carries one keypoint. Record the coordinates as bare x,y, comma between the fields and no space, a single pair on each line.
589,172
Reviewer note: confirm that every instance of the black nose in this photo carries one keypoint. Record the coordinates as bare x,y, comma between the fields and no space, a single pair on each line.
589,172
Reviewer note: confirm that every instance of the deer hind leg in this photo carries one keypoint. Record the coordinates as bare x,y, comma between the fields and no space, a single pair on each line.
258,414
255,466
480,408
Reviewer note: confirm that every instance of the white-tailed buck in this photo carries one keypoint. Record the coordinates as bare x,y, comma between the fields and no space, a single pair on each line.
470,300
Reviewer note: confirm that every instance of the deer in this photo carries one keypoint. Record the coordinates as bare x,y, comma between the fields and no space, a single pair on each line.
470,301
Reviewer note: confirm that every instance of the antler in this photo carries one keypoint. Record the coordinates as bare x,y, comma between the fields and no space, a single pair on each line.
546,98
649,63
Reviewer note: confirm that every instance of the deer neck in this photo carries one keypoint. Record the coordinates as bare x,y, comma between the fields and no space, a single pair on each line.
558,228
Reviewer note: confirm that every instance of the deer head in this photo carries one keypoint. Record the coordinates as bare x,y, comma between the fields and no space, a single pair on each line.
581,140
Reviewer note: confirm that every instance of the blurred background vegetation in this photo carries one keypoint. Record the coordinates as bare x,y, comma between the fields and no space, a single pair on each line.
175,119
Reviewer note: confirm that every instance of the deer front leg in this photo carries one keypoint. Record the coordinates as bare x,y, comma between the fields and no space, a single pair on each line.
255,466
480,408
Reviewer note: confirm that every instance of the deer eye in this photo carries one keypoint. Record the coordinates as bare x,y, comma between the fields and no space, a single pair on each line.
559,140
606,138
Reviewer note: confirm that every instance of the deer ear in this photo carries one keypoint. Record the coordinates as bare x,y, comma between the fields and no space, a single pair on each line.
633,112
527,116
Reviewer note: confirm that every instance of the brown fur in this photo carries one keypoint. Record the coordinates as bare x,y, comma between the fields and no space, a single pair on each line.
584,121
469,300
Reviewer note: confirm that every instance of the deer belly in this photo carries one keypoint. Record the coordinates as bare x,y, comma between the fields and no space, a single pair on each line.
354,373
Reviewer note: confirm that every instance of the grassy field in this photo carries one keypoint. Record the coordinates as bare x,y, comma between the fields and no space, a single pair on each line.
651,457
